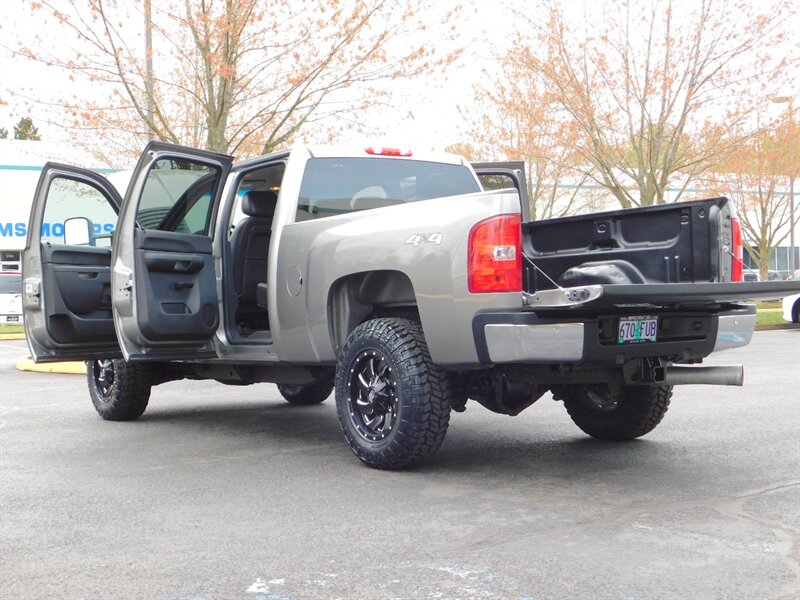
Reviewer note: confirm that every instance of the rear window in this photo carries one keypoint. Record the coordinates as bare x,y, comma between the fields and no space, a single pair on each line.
11,284
335,186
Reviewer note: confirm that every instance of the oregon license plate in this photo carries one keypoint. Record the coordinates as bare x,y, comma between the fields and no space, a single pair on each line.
633,330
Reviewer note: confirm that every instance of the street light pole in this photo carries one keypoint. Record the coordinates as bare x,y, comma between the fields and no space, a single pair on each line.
792,223
148,62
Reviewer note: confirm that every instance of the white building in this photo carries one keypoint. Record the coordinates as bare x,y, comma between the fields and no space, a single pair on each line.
21,164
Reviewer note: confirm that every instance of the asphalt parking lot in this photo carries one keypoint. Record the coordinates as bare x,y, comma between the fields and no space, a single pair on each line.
229,492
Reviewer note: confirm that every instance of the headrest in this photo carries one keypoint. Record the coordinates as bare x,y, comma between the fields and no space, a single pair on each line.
259,204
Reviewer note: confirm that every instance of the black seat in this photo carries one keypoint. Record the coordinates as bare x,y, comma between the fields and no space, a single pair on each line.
249,247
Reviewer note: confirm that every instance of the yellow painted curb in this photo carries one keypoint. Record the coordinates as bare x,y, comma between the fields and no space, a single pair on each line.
12,336
66,368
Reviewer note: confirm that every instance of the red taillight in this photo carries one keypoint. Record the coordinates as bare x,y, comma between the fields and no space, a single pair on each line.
387,151
737,260
494,256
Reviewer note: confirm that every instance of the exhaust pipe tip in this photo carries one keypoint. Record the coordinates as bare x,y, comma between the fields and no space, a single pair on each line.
680,375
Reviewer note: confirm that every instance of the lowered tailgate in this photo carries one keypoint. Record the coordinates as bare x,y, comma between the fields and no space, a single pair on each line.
623,297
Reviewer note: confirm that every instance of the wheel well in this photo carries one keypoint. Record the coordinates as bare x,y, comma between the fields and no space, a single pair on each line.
796,311
355,298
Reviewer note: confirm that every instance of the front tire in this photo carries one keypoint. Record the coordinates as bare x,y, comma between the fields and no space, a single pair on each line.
306,395
393,402
119,390
616,412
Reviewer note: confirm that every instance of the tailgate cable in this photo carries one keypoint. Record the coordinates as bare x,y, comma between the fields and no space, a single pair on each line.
545,275
736,258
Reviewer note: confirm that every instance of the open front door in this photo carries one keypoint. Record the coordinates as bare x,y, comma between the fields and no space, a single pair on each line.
163,283
504,175
66,266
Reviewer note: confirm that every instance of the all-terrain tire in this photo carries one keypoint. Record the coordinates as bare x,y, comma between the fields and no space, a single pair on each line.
119,390
616,413
393,402
306,395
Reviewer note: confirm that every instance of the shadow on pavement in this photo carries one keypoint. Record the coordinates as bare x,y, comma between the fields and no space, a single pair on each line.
471,448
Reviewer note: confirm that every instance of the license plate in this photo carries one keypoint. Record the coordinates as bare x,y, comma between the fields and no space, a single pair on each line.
633,330
12,319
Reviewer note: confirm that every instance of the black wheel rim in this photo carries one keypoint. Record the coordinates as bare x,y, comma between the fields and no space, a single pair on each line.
104,378
372,396
601,397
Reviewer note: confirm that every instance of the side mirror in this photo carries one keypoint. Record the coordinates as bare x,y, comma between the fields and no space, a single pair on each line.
78,231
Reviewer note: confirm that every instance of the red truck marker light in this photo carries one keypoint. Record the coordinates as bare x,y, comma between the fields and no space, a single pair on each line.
494,259
387,151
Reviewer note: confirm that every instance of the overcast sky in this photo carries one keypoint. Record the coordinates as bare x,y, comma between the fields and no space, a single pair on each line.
485,26
425,113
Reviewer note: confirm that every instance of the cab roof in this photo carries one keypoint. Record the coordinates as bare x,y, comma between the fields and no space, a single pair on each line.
353,151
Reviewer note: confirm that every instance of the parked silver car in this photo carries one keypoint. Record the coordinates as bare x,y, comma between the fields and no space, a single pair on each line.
10,297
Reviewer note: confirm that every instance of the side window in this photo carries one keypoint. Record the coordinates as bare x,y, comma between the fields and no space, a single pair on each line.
197,216
177,196
497,181
69,198
266,178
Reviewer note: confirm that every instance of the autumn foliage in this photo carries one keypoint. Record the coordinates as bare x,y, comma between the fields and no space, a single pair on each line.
615,103
642,96
758,175
233,76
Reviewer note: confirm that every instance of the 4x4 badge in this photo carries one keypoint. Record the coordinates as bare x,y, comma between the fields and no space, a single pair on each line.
423,238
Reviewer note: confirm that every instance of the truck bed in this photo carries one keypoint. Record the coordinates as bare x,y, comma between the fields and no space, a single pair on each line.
672,256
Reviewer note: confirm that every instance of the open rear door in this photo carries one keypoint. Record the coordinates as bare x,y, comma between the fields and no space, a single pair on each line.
163,281
505,175
66,268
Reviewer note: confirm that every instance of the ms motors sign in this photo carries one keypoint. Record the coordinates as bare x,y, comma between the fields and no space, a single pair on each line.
17,189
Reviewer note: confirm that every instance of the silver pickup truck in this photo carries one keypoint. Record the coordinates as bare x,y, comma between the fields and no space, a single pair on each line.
409,283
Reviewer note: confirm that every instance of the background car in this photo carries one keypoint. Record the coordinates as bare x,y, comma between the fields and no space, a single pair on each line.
791,304
10,297
751,276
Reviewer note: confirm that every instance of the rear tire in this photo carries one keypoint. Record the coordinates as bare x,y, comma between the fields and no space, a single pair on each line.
119,390
616,412
306,395
393,402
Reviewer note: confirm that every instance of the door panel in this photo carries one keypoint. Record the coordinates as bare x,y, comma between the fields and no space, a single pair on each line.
178,291
80,300
163,280
67,288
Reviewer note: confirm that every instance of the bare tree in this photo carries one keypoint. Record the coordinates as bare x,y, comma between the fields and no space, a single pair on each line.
652,92
514,119
235,76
